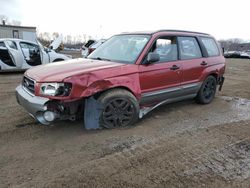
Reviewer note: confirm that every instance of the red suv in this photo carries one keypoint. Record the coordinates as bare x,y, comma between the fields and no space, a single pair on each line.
126,77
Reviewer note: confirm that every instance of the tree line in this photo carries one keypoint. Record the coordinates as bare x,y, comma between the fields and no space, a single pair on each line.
75,41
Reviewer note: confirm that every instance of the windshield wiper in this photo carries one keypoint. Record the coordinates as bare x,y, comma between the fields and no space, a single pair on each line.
101,59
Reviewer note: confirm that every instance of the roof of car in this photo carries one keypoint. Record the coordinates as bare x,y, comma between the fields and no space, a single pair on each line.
17,40
167,31
13,39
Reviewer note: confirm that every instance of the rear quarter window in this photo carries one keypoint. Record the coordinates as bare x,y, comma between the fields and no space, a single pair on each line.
211,46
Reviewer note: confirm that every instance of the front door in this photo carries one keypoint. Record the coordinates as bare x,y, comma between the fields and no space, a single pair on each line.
31,53
161,80
44,55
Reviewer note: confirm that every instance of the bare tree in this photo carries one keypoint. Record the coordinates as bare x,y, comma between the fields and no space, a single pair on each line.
9,21
3,18
55,35
69,41
230,43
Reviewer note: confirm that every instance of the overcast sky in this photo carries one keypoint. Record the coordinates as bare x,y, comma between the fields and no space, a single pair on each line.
102,18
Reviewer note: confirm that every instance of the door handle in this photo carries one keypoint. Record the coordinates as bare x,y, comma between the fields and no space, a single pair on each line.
203,63
174,67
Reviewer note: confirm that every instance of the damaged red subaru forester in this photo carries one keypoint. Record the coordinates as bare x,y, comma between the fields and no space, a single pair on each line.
125,78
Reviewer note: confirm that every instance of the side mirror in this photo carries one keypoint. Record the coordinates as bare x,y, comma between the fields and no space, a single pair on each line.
152,57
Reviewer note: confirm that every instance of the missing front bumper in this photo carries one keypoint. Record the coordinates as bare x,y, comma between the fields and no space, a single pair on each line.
34,105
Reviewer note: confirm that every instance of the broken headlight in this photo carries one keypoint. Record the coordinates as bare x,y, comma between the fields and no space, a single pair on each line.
55,89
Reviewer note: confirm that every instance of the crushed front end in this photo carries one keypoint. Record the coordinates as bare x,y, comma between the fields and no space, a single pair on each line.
44,109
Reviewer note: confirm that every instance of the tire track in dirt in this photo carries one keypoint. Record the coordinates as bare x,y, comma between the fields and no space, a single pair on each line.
177,145
175,161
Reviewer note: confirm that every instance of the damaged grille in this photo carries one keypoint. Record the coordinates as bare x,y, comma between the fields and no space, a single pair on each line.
29,85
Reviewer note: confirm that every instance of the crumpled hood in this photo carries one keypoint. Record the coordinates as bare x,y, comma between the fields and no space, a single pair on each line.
56,72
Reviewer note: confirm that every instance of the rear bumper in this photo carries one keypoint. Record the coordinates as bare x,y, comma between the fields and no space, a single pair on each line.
34,105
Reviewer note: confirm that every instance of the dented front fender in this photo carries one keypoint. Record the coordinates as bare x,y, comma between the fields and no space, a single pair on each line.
94,82
128,82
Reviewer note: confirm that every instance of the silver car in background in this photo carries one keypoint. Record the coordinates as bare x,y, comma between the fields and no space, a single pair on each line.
17,54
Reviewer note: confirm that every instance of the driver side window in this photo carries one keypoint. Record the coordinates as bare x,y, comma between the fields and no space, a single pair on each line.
31,53
29,49
166,47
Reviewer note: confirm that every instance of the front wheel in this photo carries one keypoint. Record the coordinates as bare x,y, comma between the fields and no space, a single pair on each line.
207,91
120,109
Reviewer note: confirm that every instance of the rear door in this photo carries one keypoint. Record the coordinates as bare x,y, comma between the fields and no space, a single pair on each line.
161,80
5,58
45,58
15,54
212,50
192,62
32,53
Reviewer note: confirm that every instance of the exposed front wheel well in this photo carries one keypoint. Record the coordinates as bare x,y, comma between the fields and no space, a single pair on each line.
97,95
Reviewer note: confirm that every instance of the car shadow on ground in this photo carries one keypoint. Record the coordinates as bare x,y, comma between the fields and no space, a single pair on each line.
77,127
167,115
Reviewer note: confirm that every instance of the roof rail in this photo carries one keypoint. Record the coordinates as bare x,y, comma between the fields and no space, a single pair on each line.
172,30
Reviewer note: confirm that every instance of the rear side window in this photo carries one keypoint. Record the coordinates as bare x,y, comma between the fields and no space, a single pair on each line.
189,48
210,45
11,44
2,44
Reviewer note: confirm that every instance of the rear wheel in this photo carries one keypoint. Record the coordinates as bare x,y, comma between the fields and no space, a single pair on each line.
121,109
207,90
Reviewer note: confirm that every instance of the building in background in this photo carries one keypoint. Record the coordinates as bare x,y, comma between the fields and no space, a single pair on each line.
20,32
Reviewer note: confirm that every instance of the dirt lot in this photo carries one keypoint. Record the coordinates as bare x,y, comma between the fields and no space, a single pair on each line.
177,145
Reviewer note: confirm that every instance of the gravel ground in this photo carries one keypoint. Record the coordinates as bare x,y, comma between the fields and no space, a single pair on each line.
177,145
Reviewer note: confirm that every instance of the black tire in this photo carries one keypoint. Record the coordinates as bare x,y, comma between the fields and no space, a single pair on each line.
121,108
207,91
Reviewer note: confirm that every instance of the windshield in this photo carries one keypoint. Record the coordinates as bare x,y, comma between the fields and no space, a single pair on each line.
121,48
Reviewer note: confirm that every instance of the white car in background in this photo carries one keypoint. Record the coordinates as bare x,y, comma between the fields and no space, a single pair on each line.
90,46
245,54
17,54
